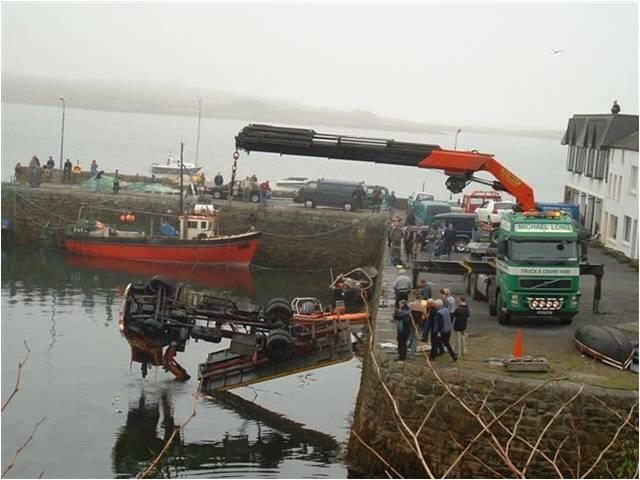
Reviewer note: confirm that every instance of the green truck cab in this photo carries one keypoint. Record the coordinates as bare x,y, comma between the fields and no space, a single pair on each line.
537,267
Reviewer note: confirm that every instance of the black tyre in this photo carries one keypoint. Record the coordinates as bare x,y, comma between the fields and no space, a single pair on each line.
137,288
309,204
493,237
461,244
491,301
467,283
348,207
278,313
475,293
255,198
157,282
280,345
566,320
217,194
503,316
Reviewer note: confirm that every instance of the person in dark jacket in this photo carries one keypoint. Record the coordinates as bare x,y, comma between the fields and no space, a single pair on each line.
615,108
442,332
459,320
402,317
449,240
218,180
427,327
66,176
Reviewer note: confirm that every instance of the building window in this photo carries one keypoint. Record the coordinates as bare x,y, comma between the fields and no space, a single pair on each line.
590,163
627,228
633,180
192,224
612,231
619,187
600,164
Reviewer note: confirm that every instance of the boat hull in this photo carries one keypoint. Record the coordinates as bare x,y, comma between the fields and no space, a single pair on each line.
168,170
233,249
606,344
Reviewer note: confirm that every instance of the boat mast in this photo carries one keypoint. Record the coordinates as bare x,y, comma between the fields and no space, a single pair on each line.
181,166
198,137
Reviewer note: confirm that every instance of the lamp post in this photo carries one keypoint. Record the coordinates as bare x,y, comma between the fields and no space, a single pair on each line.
455,143
62,133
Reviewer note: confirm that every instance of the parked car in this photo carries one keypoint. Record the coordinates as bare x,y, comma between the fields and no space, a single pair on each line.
330,193
491,211
474,200
425,210
419,197
222,191
463,224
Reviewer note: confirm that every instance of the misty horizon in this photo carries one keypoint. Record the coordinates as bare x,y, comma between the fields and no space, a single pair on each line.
516,66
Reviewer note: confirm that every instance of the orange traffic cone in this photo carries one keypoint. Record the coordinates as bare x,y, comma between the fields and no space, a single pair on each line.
517,346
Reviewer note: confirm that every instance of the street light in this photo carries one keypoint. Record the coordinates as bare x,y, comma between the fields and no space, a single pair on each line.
455,144
62,134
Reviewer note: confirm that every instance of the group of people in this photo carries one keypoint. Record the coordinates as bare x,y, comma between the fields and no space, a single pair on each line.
250,186
35,173
380,200
436,240
418,315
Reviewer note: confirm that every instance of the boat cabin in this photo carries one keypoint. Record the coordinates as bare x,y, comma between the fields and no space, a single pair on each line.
200,226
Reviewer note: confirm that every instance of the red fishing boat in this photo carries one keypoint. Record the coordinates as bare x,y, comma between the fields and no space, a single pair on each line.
197,242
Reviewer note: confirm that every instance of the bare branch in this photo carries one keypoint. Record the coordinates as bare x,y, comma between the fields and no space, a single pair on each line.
176,431
426,417
24,445
604,404
378,456
527,443
17,387
495,473
515,428
615,437
546,427
414,443
500,415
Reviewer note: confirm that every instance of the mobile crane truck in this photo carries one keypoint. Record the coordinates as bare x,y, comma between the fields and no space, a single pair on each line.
534,268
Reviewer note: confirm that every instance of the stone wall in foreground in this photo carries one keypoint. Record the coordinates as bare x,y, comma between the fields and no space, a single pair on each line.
293,237
581,431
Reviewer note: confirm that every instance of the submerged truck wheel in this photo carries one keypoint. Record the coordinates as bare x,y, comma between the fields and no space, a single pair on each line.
280,345
157,282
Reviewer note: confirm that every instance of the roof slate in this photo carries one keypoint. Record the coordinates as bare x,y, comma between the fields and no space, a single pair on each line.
602,131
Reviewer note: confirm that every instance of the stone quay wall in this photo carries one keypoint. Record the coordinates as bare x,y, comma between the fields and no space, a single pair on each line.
293,237
581,430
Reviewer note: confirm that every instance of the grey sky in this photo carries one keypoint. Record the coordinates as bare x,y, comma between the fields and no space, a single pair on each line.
474,63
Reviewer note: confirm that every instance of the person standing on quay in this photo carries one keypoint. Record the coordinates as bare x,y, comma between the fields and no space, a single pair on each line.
442,332
417,316
459,320
66,172
116,182
401,287
402,317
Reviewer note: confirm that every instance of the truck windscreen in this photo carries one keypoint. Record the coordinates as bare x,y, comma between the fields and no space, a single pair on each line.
543,251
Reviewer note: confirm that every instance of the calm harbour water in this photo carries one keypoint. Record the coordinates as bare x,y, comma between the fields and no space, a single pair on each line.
103,419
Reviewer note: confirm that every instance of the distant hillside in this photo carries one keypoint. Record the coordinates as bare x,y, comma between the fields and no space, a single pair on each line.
177,100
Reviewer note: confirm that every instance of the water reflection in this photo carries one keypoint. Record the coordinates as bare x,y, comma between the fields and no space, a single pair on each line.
264,441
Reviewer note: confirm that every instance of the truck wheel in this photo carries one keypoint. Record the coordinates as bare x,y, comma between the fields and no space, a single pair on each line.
279,345
461,244
566,320
255,198
217,194
503,317
493,237
157,282
467,283
309,203
492,306
475,293
278,313
348,207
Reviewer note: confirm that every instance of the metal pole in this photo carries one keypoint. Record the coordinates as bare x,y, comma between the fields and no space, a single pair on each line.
455,145
181,157
62,134
198,137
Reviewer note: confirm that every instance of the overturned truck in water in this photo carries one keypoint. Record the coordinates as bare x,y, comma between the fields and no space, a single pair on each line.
159,317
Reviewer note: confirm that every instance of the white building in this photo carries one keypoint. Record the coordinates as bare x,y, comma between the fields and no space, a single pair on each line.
602,161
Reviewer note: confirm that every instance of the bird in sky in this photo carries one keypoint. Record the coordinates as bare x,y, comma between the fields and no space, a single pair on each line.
555,52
